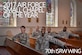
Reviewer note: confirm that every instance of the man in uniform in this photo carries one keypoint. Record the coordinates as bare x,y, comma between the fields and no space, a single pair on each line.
22,37
53,34
36,33
42,42
66,34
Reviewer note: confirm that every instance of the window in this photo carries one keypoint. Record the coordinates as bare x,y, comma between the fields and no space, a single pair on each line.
52,13
73,13
9,21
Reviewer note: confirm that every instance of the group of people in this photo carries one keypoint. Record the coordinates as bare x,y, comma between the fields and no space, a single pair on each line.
44,37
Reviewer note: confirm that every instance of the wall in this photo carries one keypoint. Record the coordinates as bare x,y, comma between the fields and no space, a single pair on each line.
79,13
63,16
33,22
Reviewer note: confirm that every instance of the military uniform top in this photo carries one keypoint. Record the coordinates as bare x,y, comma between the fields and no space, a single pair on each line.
51,34
67,34
23,38
36,34
42,43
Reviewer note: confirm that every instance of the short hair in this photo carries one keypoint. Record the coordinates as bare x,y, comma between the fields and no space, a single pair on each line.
43,27
23,27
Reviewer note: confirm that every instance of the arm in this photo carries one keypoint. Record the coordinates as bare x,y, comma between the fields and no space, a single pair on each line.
28,42
58,42
15,37
37,46
74,35
60,33
33,34
55,41
58,36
